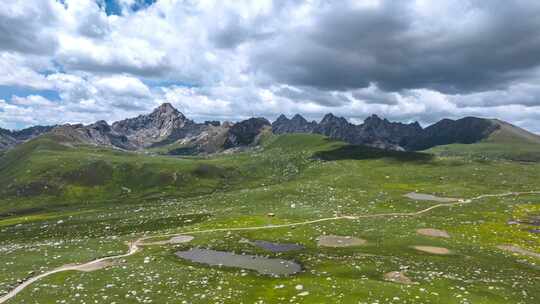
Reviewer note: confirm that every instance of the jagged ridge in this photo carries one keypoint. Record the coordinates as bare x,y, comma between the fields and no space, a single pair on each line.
166,126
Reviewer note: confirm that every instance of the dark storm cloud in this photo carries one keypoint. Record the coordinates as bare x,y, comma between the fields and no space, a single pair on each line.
116,65
473,46
235,32
307,94
373,95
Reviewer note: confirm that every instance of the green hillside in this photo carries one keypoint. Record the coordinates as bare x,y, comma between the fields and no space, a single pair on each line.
507,142
63,205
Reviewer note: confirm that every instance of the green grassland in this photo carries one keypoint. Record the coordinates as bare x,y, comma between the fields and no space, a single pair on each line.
63,205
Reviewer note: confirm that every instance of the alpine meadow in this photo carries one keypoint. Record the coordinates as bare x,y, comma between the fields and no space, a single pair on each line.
168,151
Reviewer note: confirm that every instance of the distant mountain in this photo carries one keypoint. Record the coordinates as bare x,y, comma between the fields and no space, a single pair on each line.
97,134
6,139
167,130
508,133
297,124
164,125
246,132
381,133
467,130
9,139
374,131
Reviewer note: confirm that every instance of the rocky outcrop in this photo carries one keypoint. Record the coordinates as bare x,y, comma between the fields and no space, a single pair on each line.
164,125
381,133
464,131
337,128
245,132
9,139
215,123
96,134
384,134
374,131
6,139
297,124
167,126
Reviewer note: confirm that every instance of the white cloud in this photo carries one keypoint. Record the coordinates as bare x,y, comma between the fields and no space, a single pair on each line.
32,101
206,57
121,85
26,26
16,71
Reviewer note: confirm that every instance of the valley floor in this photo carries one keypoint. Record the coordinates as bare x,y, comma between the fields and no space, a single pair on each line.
286,197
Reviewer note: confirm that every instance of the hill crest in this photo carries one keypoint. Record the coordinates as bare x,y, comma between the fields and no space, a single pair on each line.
166,126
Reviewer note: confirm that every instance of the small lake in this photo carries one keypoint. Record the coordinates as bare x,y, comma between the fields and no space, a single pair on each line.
266,266
428,197
276,247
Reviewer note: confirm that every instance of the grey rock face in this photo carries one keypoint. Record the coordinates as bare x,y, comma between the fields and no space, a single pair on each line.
297,124
6,139
374,131
97,134
9,139
337,128
245,132
166,125
384,134
162,125
215,123
381,133
465,131
31,132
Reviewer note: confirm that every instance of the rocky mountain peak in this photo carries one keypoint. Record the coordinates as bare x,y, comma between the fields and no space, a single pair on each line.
245,132
282,118
416,125
331,119
101,125
145,130
5,132
297,124
373,120
167,110
10,138
299,119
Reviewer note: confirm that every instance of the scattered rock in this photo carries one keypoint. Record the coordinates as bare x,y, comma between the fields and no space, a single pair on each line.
519,250
181,239
433,250
433,232
398,277
339,241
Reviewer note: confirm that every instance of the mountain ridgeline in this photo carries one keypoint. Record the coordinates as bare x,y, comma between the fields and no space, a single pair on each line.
9,138
167,130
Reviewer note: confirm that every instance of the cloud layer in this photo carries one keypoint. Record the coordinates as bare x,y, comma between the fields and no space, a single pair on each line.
405,60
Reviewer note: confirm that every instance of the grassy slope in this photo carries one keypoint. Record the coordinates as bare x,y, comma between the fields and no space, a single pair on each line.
508,142
297,177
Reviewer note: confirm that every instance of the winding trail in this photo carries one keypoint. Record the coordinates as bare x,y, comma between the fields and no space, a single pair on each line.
136,245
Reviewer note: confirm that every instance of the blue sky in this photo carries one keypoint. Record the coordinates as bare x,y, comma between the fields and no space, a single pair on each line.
114,7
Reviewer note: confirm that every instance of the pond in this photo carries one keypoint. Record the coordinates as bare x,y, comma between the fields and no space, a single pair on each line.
428,197
263,265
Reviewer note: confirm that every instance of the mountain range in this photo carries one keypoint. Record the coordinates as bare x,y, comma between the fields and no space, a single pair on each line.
167,129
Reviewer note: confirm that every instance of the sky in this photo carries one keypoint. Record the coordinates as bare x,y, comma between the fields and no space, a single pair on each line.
68,61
